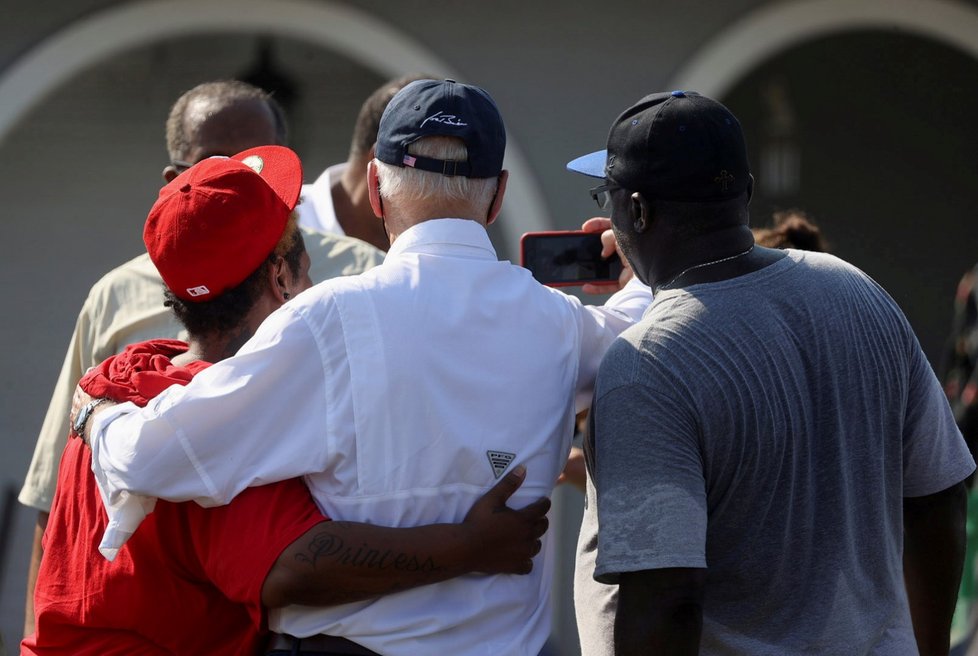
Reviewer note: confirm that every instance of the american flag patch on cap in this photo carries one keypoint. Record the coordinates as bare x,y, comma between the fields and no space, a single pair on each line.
409,161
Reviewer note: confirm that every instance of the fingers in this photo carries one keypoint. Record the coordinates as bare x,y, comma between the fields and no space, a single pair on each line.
536,546
538,508
505,488
608,243
78,400
626,275
539,528
609,246
601,288
526,566
597,224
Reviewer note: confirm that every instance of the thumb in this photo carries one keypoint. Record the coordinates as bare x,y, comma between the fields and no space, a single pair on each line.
505,488
596,224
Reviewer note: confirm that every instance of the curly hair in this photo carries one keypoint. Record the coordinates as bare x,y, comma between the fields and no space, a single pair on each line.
228,311
792,229
225,93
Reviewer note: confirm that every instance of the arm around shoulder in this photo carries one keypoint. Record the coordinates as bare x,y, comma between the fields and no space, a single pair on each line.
341,562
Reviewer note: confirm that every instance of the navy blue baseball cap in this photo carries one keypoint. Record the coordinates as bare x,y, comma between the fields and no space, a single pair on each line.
426,108
675,145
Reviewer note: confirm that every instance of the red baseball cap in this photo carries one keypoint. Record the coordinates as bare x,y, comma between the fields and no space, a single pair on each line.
216,222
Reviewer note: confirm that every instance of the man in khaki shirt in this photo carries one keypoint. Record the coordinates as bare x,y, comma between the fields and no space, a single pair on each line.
126,305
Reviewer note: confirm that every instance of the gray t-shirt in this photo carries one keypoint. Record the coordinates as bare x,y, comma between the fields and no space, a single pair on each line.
767,428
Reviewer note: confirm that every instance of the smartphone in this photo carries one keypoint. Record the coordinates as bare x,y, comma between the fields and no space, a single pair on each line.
567,258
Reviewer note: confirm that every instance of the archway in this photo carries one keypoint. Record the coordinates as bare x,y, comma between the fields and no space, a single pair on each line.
763,33
350,32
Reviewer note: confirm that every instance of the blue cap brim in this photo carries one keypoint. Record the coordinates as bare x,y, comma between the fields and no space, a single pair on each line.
592,165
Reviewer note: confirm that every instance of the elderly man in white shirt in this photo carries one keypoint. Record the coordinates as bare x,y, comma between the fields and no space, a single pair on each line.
401,394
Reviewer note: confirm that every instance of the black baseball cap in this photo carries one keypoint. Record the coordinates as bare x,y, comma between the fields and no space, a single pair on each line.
448,108
674,145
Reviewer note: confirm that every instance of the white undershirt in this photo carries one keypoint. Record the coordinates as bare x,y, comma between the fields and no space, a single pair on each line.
316,207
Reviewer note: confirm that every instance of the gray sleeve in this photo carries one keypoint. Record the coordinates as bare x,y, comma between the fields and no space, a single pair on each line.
935,455
650,484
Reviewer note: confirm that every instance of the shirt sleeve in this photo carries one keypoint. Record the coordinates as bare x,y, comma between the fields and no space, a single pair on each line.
39,485
255,418
648,476
238,544
935,456
599,327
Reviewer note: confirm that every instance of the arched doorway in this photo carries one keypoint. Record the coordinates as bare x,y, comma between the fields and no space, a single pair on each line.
919,61
354,34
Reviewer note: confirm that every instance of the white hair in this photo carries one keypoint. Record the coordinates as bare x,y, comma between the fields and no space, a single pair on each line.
406,184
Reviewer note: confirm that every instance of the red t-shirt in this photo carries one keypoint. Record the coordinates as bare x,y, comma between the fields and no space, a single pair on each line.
187,582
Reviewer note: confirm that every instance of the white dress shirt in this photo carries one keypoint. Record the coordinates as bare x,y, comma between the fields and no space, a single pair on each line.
402,394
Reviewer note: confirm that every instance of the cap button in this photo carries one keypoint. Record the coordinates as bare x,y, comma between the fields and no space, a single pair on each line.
678,94
448,79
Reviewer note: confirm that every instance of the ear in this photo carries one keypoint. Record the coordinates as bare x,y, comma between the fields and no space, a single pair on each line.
750,187
639,213
280,280
497,200
373,190
169,172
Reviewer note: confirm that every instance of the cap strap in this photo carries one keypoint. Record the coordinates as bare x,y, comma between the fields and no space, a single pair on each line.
445,167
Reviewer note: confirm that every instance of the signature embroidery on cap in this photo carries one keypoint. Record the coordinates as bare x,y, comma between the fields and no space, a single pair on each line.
499,461
724,179
199,290
254,162
447,119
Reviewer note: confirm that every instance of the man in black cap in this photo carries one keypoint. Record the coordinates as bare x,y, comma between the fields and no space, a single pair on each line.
775,468
400,393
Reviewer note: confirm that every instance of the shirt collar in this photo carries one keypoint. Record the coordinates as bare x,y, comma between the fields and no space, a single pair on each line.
463,233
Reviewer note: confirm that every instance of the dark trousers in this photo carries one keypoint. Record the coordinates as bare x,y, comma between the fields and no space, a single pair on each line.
318,645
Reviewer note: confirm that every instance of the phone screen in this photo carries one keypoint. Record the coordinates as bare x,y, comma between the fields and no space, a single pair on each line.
567,258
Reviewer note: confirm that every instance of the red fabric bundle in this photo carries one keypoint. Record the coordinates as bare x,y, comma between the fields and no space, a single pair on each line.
140,372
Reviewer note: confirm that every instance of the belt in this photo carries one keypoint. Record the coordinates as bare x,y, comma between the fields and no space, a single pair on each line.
280,643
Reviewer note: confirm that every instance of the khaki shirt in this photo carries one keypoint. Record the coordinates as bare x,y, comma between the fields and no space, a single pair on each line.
125,307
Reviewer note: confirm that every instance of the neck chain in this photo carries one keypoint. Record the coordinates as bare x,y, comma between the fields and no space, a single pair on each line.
706,264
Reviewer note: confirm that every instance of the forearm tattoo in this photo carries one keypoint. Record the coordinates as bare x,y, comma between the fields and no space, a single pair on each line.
327,545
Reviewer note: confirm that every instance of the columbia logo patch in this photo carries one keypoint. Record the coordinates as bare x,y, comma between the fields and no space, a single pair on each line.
200,290
499,460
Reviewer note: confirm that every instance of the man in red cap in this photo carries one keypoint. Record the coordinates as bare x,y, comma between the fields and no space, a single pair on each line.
223,236
125,306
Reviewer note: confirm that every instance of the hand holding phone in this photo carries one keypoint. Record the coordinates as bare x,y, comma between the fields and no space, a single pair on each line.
602,225
569,258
